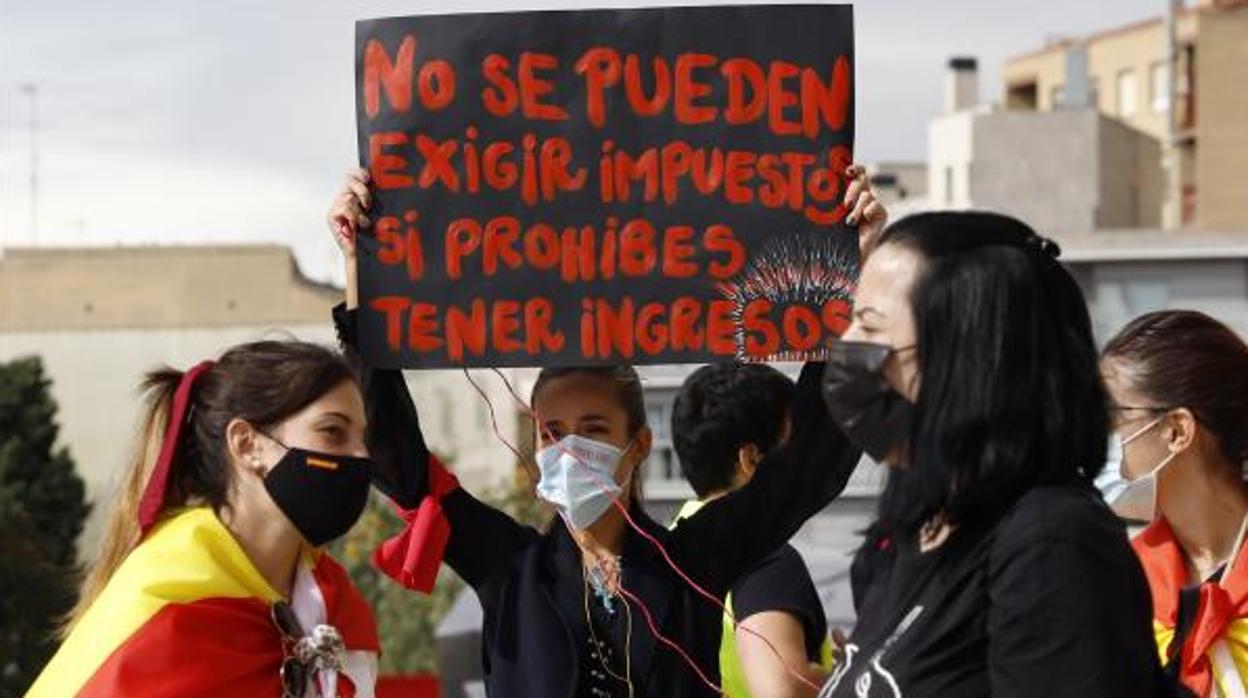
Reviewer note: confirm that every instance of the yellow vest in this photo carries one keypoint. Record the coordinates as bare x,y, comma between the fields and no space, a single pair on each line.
732,676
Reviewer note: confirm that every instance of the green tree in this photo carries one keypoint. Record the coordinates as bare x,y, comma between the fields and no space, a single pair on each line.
42,511
406,620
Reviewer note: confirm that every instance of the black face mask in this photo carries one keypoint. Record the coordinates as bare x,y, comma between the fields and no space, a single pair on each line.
322,494
873,415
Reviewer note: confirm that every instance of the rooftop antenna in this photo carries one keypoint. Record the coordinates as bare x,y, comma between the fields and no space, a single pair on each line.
32,92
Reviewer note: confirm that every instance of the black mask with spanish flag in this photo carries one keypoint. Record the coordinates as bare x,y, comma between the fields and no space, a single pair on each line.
322,494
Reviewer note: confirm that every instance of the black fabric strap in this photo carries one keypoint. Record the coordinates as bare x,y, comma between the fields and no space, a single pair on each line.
1189,604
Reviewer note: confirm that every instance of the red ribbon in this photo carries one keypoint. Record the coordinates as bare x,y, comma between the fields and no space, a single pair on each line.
153,501
1220,603
412,558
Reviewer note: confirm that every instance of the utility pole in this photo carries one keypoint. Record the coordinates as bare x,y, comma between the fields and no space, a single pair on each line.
32,92
1172,210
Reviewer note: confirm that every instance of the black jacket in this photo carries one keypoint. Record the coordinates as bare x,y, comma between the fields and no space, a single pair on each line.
533,635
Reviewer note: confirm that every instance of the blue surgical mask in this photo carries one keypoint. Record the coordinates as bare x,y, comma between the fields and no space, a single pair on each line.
578,478
1133,499
1110,482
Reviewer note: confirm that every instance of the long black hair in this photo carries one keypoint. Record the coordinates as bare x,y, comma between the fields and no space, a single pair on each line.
1010,394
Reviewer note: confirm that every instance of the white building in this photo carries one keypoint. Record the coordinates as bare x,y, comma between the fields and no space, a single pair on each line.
101,317
1065,171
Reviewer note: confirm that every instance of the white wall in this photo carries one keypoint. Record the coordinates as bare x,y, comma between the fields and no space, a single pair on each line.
1118,292
1039,167
455,420
95,376
949,155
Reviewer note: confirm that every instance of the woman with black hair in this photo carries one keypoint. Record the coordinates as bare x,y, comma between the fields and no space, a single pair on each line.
993,568
1179,383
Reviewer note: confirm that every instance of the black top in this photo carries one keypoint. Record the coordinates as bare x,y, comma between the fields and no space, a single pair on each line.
535,634
1049,602
604,671
781,582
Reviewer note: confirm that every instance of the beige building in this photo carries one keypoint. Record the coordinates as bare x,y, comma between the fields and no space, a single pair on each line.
1125,73
101,317
1062,172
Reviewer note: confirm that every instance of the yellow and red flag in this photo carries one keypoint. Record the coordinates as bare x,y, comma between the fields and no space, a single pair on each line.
1215,652
188,614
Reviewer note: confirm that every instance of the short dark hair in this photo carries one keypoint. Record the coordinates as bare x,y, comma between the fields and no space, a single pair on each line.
721,408
1184,358
1010,394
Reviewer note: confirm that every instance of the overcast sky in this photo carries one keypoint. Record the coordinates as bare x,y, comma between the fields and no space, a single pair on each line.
178,121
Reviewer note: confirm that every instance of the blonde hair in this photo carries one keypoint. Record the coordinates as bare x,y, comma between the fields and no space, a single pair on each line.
122,534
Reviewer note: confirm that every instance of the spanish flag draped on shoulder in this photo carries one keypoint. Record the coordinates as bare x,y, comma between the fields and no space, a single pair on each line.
1213,659
188,614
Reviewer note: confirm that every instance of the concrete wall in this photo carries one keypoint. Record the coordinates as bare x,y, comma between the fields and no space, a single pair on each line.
1222,120
949,153
1132,182
1046,69
95,375
1135,48
1213,157
1117,292
89,288
1024,163
457,425
909,181
102,317
1062,172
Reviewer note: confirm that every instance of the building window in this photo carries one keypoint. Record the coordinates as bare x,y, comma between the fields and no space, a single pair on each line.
1127,93
1122,295
949,186
1022,96
1159,84
663,466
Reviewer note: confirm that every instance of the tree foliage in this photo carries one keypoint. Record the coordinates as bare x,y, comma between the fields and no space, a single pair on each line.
42,511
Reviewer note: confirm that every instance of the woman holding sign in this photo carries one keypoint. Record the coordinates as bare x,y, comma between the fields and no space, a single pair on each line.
993,568
210,580
606,602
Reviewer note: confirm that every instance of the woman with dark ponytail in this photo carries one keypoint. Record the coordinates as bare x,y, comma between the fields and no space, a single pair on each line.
210,580
1178,380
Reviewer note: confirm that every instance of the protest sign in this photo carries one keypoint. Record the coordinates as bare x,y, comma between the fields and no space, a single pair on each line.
606,186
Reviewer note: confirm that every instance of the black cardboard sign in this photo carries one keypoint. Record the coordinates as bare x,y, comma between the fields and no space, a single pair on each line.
606,186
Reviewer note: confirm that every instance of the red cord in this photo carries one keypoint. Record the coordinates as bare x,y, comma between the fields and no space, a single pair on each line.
658,546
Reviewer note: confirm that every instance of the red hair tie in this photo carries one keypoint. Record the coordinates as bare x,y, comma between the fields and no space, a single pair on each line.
153,501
